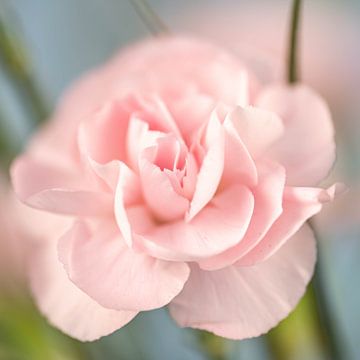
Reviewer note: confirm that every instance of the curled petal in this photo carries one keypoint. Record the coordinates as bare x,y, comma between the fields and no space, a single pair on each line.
63,191
239,167
299,204
212,166
268,197
219,226
160,195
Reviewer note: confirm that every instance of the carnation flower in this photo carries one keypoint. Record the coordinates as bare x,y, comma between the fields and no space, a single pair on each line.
174,177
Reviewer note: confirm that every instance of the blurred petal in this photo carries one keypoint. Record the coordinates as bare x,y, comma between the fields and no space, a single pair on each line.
307,148
243,302
51,188
257,128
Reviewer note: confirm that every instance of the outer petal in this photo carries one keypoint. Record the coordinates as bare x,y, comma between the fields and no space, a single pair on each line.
64,304
216,228
212,71
103,266
58,190
299,205
268,207
306,117
239,302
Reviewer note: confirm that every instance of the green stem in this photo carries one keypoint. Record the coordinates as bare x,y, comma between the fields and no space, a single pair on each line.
293,43
14,61
151,19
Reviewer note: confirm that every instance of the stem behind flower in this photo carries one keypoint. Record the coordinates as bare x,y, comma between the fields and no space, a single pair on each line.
151,19
293,43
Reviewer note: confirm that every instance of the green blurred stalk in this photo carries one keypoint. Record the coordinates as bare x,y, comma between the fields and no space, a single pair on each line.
25,335
8,149
213,346
15,62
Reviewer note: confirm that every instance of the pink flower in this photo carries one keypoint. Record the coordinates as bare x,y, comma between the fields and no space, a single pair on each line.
183,181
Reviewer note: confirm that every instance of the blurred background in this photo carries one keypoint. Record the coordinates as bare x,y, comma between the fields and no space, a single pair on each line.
56,41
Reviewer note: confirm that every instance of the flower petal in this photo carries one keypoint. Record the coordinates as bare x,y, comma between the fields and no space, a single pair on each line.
239,167
51,188
64,304
212,167
306,117
102,137
101,264
299,204
216,228
268,195
243,302
257,128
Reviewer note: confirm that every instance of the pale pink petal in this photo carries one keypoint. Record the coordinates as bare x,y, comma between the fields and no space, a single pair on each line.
128,184
191,111
268,195
307,148
51,188
239,167
216,228
157,115
299,204
212,70
161,197
101,264
190,176
102,136
212,166
138,138
257,128
64,304
243,302
111,172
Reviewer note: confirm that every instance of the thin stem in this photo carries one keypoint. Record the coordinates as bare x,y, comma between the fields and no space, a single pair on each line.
14,61
293,75
151,19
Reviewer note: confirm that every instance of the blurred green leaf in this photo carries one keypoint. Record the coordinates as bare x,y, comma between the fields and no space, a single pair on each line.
25,335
